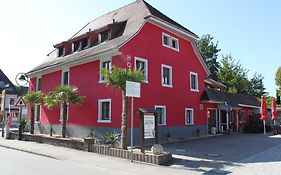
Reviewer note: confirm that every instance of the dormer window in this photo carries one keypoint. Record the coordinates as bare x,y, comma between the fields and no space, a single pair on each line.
61,51
104,36
85,43
76,46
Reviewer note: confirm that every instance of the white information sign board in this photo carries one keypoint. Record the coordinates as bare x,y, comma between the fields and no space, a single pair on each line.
132,89
149,126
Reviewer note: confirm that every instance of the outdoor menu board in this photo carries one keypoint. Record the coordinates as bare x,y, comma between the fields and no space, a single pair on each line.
149,126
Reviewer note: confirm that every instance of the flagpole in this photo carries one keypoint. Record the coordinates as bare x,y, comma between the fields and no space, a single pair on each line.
264,132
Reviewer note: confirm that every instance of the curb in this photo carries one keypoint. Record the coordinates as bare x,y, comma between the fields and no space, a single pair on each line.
30,152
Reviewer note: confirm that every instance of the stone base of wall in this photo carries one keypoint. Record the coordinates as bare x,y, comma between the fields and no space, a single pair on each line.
87,144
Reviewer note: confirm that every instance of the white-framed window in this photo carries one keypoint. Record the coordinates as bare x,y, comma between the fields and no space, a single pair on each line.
162,114
170,42
65,76
142,64
194,81
104,110
175,43
12,101
38,84
104,64
166,74
166,39
189,116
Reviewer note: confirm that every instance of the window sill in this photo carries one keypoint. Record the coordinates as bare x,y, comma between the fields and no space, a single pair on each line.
166,85
104,121
191,124
166,46
162,124
194,90
175,49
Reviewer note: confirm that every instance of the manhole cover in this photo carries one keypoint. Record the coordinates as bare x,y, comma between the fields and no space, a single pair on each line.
213,155
181,150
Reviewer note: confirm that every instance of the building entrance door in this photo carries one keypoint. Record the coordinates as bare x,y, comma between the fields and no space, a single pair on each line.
212,123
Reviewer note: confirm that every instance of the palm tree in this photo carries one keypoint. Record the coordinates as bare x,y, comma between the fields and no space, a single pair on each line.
63,96
33,98
117,77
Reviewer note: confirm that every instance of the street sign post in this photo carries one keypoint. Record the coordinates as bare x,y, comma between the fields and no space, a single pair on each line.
132,90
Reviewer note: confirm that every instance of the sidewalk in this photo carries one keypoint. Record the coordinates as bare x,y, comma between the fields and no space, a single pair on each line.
122,166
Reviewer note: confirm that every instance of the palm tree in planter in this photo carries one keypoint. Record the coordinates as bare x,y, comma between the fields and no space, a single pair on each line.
63,96
117,77
33,98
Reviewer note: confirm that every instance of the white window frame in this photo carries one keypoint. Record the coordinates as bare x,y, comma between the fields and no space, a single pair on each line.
171,75
192,117
37,82
62,75
197,83
169,40
110,67
164,119
100,101
145,68
177,44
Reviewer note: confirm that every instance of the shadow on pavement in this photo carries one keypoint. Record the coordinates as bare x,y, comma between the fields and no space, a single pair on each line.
218,155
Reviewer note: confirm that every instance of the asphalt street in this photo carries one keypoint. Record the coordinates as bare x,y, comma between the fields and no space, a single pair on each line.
228,154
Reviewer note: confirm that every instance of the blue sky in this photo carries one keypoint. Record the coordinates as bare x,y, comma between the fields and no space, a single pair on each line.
249,30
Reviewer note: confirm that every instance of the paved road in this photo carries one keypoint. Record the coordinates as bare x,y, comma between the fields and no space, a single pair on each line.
234,154
227,154
72,162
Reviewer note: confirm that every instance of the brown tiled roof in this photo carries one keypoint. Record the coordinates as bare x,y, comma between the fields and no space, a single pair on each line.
233,100
135,14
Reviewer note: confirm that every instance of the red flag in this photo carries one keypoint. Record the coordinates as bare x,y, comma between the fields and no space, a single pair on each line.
263,109
273,109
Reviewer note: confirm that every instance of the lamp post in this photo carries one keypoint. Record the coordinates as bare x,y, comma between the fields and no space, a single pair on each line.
21,80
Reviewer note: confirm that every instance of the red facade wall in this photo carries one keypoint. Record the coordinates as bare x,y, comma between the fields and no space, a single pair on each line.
148,45
48,83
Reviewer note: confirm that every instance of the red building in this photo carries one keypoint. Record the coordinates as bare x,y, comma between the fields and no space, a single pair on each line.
134,36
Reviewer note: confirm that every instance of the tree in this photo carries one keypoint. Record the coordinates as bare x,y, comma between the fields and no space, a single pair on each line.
63,96
117,77
256,88
33,98
278,78
209,51
233,75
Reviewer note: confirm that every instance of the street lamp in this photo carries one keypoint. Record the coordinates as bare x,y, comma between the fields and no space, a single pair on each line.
21,80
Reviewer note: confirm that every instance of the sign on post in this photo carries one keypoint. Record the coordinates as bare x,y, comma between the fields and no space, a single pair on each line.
20,102
149,126
132,89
